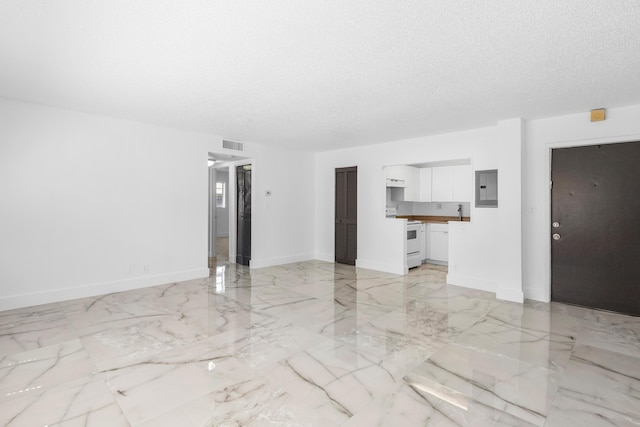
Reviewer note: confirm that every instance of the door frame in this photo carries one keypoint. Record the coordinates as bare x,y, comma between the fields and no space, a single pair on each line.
230,165
233,205
235,216
335,195
550,146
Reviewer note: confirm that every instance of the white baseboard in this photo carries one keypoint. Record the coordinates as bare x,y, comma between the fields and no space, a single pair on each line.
400,270
514,295
471,282
270,262
537,294
56,295
325,257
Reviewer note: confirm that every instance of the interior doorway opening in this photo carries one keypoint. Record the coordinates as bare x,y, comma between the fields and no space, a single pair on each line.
222,205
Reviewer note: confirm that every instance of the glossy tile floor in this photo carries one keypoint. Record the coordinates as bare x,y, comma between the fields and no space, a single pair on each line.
316,344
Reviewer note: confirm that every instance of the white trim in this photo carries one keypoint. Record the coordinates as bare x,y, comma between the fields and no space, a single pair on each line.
471,282
398,269
536,294
508,294
270,262
56,295
325,257
545,294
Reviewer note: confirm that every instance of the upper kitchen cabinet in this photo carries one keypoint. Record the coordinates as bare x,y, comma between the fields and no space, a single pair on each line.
396,176
451,183
462,183
412,190
407,177
425,184
442,184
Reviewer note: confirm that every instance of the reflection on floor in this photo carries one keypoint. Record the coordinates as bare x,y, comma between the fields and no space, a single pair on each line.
222,248
316,344
222,252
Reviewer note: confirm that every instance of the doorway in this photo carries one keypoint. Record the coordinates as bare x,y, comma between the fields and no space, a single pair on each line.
346,215
595,241
222,205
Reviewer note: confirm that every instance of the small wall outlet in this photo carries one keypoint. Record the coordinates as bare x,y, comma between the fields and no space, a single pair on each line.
438,205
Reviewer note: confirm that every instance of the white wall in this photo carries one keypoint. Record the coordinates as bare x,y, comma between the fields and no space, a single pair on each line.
282,223
484,254
87,201
621,125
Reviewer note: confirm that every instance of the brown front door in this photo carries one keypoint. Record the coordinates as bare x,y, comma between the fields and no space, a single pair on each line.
346,216
595,232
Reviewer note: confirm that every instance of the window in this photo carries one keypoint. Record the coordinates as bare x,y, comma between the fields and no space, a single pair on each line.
220,199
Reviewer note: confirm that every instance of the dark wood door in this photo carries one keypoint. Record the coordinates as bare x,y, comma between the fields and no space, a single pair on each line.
243,243
595,246
346,216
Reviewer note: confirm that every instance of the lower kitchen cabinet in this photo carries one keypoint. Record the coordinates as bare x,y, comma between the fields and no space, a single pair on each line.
438,241
424,253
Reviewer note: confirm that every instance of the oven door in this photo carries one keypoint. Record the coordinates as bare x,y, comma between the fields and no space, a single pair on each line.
413,242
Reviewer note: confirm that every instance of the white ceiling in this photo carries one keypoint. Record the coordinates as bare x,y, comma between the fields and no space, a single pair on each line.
318,75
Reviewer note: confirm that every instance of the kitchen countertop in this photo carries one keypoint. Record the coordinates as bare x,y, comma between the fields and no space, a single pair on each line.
433,219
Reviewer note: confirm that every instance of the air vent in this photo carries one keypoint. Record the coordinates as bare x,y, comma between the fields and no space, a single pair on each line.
232,145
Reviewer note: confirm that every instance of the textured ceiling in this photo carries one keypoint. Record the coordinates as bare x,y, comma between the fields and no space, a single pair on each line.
318,75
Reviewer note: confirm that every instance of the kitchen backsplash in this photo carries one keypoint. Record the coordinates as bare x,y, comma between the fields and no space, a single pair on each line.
431,208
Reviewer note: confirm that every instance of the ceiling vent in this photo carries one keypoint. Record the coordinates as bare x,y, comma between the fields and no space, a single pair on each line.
232,145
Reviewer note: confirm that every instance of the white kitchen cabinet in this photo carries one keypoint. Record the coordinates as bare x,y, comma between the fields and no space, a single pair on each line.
412,181
462,182
425,184
442,184
451,183
395,176
438,241
394,172
423,248
407,177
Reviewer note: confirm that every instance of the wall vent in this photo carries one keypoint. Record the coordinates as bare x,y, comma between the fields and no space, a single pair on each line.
232,145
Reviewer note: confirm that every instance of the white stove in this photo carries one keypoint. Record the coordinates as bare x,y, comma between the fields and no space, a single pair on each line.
414,244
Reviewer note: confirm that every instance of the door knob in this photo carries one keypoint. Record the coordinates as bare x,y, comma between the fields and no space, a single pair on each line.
556,236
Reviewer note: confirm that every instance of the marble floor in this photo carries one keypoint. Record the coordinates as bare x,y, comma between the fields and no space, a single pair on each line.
316,344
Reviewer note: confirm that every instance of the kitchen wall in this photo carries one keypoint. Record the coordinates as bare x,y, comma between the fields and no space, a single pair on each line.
92,204
621,125
381,241
433,208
